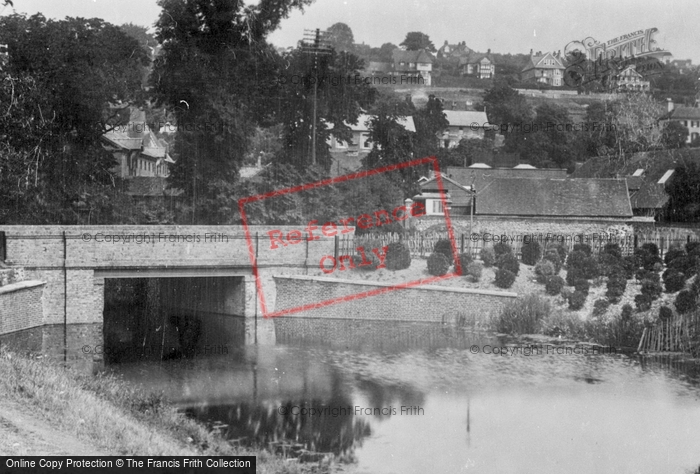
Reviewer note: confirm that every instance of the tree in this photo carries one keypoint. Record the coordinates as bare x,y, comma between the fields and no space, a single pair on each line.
140,34
684,193
635,124
340,37
430,123
550,138
416,40
505,106
341,97
393,144
386,52
61,85
216,73
674,134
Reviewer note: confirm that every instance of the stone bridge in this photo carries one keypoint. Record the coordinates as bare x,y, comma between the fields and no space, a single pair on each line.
74,262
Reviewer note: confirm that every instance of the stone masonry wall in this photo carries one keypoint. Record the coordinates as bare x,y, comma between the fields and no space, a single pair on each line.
427,303
21,306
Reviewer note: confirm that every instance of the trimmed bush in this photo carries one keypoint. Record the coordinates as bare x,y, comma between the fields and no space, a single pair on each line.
438,264
673,253
554,285
616,288
642,302
590,268
444,247
369,256
674,281
398,256
523,315
508,262
576,259
487,256
652,289
600,307
544,269
465,259
573,274
585,248
502,248
629,266
665,313
504,278
643,274
561,249
607,261
531,253
652,248
582,285
577,300
645,259
657,267
473,269
613,250
553,256
685,264
686,302
692,247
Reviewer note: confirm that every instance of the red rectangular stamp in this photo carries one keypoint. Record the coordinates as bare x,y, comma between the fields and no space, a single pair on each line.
276,242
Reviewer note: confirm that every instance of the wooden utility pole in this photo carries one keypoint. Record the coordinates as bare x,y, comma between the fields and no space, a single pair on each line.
313,43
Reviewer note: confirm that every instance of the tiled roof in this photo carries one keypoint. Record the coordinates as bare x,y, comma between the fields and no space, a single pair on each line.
554,198
652,196
474,58
466,176
536,62
420,56
464,118
685,113
634,182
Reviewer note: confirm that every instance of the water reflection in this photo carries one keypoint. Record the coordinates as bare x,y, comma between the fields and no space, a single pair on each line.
479,412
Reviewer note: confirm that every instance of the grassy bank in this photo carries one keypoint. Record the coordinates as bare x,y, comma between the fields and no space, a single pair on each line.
115,417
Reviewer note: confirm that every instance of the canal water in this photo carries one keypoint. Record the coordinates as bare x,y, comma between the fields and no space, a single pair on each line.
417,398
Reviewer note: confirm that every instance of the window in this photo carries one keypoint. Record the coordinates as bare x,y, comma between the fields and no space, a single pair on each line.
340,144
461,129
366,143
437,207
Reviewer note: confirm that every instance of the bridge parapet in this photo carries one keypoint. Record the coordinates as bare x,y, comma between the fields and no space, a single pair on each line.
123,246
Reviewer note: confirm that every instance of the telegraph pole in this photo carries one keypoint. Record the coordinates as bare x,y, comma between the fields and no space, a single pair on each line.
313,43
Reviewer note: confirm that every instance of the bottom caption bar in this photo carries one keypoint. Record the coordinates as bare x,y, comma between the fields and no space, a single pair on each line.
124,464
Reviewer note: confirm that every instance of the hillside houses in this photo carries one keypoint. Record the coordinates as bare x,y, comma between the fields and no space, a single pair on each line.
480,66
544,68
689,117
463,124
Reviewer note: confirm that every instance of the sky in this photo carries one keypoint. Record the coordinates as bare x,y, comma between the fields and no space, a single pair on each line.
504,26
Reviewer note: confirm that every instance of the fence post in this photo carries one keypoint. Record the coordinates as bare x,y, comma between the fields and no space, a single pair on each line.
661,247
336,240
462,246
421,245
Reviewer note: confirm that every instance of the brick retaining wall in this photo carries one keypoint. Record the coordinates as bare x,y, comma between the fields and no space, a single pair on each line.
426,303
21,306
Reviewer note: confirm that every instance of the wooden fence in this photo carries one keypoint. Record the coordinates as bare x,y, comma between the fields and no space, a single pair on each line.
681,333
422,245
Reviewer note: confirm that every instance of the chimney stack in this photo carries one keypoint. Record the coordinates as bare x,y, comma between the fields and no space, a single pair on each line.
259,165
531,51
670,105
